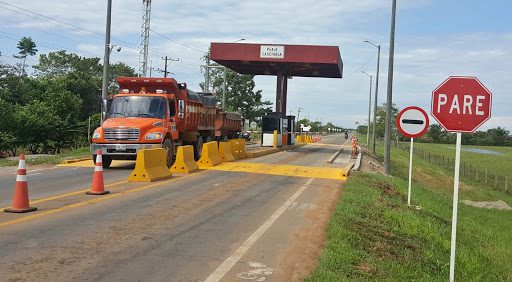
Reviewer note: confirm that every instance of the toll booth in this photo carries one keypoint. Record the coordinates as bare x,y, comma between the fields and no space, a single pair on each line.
284,126
269,123
291,130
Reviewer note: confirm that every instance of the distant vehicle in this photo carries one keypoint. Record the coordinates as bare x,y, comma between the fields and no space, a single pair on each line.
245,135
160,113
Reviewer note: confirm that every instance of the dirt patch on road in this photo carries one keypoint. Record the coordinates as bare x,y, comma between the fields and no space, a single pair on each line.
499,205
309,241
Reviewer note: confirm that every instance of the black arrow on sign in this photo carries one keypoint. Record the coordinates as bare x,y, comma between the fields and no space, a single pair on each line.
413,121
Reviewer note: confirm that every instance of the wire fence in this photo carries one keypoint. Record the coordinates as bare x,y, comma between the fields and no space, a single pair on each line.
469,172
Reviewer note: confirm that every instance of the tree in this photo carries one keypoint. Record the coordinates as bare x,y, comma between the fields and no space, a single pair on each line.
381,119
27,47
240,94
435,133
116,70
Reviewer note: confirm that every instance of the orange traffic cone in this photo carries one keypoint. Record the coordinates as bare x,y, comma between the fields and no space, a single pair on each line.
98,187
20,200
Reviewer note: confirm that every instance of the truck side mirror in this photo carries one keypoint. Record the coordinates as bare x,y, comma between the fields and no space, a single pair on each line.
181,108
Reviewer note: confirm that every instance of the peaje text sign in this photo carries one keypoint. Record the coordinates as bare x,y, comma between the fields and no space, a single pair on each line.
272,51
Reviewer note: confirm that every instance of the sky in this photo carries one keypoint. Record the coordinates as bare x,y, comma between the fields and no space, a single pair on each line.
434,39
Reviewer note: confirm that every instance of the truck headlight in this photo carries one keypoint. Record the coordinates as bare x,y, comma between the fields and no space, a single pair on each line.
154,136
96,135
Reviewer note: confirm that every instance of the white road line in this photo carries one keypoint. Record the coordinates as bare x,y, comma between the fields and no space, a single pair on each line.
226,266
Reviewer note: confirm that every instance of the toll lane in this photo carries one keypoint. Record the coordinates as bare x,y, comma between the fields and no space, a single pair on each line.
177,230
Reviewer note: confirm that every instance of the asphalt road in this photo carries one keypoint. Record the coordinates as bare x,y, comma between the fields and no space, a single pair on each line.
208,225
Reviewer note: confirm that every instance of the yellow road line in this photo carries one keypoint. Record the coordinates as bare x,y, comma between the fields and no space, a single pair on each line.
285,170
60,196
92,201
89,163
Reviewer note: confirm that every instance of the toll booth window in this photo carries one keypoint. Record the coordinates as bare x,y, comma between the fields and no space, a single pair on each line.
172,107
138,106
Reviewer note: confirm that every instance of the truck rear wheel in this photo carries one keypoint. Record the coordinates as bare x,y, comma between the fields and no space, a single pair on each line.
105,160
169,145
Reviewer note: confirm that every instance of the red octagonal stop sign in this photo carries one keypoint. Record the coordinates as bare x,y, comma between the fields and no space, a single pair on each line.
461,104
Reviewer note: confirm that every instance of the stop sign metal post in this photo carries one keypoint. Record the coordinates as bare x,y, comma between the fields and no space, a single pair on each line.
412,122
460,104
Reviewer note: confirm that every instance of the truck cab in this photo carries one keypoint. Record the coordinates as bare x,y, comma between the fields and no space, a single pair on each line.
136,121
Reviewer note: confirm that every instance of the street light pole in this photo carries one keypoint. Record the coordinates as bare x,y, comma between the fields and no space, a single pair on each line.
106,62
376,95
369,110
389,100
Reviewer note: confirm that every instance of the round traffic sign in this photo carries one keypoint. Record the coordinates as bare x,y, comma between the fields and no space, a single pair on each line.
412,122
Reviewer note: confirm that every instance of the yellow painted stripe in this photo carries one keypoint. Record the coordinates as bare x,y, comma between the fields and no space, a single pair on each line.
89,163
60,196
284,170
91,201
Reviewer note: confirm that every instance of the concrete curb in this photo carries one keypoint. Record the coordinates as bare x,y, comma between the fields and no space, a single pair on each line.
74,160
267,151
334,156
357,165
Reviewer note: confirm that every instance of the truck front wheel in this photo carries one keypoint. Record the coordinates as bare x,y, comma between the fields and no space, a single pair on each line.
171,151
106,160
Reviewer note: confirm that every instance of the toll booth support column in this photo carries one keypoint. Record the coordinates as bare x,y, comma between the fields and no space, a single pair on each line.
279,93
284,94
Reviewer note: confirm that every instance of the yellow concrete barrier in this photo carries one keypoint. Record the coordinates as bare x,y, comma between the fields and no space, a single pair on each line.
238,148
225,152
185,162
210,155
242,148
151,165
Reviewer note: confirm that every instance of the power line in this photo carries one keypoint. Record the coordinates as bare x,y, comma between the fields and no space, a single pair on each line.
61,23
176,42
52,46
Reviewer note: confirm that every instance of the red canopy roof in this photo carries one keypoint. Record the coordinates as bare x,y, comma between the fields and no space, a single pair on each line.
272,59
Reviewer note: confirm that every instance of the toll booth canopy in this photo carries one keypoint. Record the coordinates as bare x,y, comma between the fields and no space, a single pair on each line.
281,60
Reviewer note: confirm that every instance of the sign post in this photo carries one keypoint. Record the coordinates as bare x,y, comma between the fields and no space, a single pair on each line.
460,104
412,122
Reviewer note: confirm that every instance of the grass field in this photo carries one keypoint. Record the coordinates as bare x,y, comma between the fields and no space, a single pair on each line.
54,159
374,236
501,164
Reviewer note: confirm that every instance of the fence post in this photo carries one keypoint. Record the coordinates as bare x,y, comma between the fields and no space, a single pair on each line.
469,170
496,180
506,182
463,169
477,170
485,174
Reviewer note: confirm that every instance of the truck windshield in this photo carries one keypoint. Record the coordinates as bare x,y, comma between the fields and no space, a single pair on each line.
138,106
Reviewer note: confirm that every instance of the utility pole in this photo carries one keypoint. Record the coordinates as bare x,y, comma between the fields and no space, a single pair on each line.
298,118
389,100
106,62
168,59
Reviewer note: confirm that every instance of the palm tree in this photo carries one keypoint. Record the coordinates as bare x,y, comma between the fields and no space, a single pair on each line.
27,47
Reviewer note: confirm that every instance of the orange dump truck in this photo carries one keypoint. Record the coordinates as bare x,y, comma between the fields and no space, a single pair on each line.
160,113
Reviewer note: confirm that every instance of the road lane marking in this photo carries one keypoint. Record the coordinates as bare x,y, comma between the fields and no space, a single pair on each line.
95,200
89,163
60,196
283,170
228,264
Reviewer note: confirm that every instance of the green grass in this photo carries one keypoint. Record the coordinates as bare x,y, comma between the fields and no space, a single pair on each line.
54,159
374,236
